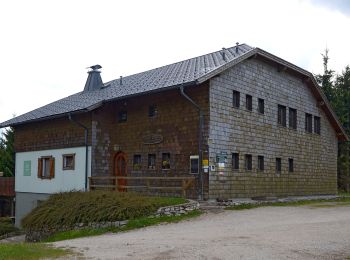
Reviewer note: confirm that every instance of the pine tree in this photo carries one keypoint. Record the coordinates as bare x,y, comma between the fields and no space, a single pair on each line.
7,155
326,79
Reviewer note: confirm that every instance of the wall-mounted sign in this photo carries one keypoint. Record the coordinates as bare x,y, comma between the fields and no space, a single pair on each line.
27,168
152,138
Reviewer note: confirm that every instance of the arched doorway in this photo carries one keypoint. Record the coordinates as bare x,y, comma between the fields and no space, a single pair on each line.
120,169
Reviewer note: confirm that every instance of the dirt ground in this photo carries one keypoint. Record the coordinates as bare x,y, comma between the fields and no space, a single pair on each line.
305,232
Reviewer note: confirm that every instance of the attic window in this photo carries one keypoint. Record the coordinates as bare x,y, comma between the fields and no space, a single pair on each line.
122,116
46,167
249,102
281,115
235,98
317,124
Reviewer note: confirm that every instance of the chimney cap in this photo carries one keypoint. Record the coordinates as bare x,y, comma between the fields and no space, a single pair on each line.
95,67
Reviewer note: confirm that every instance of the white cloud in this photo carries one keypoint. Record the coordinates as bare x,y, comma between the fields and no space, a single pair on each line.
46,45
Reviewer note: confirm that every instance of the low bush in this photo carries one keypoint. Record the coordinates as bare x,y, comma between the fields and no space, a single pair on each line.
6,226
65,210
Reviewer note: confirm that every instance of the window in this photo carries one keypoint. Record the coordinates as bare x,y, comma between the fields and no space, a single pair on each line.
152,111
68,161
261,106
308,123
235,161
317,125
261,163
290,165
46,167
136,163
248,162
292,118
235,99
122,116
278,165
151,161
249,102
194,164
166,161
281,116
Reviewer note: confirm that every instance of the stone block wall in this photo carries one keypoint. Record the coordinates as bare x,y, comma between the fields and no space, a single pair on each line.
237,130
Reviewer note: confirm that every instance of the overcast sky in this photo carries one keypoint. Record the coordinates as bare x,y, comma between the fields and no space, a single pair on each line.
45,46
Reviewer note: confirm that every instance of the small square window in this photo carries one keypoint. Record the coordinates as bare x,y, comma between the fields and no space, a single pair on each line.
235,99
235,161
136,164
281,116
248,162
261,106
68,161
151,161
165,161
292,118
249,102
290,165
308,123
194,164
278,165
122,116
317,125
261,165
152,111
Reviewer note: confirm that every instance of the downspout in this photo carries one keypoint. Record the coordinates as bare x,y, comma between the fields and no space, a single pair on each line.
200,131
86,132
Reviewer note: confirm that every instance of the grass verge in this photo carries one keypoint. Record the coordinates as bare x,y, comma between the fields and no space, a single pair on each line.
132,224
30,251
344,201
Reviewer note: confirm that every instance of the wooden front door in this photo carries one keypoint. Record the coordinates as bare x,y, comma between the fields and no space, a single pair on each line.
121,170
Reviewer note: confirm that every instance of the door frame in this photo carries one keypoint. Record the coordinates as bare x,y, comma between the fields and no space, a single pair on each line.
118,171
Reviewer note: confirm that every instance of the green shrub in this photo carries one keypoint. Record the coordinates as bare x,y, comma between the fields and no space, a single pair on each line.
67,209
6,226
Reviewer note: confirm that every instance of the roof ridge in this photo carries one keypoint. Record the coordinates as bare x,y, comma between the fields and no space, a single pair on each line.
174,63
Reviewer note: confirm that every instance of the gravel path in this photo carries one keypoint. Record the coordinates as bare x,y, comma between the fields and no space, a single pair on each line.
263,233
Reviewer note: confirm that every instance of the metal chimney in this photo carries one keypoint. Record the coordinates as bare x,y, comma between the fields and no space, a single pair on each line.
94,80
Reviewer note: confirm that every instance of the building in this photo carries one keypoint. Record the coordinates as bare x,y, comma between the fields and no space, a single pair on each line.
239,122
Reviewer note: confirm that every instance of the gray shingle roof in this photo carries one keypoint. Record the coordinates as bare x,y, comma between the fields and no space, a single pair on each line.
183,72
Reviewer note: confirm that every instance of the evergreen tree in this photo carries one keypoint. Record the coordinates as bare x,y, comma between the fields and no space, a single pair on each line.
326,79
7,155
342,109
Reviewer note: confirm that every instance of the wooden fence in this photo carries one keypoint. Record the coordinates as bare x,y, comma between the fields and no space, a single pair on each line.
144,184
7,186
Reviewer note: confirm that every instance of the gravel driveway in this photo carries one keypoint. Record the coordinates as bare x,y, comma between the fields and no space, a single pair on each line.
264,233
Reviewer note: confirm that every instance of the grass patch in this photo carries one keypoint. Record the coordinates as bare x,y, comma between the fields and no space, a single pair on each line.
6,226
344,201
30,251
70,208
132,224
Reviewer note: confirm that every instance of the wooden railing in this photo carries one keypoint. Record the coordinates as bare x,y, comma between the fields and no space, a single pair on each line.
144,183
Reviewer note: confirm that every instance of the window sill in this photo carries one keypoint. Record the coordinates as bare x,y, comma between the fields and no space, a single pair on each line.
45,178
68,169
282,126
